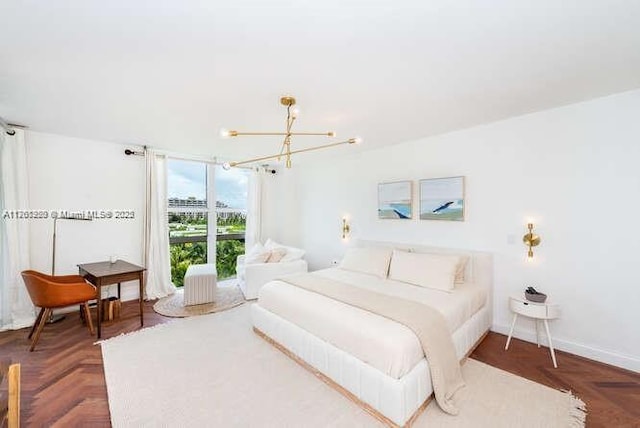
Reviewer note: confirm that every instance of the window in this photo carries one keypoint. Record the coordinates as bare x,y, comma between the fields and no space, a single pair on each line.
191,187
231,213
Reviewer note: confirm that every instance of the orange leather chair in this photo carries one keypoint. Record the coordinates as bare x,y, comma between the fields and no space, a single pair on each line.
49,292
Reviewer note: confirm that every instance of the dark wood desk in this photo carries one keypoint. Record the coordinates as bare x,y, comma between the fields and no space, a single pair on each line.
107,273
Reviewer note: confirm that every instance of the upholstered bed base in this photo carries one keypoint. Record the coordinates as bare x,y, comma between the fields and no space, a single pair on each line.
397,401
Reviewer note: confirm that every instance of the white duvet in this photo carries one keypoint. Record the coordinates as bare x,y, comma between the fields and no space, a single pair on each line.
380,342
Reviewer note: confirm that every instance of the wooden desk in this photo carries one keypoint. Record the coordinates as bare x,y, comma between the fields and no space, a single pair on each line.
107,273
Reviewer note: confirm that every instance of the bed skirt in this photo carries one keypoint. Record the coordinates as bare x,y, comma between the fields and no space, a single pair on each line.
398,400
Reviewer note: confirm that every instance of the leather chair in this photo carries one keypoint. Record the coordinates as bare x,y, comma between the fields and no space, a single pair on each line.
50,292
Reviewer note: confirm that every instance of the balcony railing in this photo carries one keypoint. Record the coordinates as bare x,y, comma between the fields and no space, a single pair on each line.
203,238
188,250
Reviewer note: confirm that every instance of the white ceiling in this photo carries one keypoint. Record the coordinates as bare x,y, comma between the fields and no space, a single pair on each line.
172,73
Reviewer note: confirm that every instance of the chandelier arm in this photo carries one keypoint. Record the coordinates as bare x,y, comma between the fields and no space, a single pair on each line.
284,144
325,134
321,134
238,133
293,152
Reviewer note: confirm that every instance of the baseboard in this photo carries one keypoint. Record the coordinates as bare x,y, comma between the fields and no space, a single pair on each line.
619,360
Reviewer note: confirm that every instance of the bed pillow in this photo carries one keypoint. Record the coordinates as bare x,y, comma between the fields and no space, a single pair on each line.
257,254
425,270
371,260
292,253
460,270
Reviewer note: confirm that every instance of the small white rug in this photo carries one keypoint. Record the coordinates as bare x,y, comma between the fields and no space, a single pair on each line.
212,370
226,297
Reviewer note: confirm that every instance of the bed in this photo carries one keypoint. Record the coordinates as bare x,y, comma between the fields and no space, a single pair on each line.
374,361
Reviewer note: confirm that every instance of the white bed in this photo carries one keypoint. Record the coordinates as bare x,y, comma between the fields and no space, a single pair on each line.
378,361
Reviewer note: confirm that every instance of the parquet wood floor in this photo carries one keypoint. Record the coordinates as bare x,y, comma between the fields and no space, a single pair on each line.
63,381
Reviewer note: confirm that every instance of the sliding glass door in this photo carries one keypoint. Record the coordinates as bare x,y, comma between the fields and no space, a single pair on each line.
206,216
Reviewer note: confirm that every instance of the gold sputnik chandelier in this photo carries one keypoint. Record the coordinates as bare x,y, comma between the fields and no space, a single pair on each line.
285,150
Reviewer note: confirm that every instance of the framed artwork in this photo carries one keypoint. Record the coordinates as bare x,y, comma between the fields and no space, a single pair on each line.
395,200
442,199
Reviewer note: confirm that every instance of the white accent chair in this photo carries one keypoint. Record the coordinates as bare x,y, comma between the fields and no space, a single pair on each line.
251,277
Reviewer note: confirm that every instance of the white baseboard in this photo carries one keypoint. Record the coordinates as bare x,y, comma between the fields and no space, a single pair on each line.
620,360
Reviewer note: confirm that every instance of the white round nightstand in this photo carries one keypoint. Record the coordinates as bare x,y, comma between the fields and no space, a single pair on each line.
539,312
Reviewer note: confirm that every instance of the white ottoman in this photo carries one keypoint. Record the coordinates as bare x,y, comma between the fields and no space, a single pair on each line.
200,284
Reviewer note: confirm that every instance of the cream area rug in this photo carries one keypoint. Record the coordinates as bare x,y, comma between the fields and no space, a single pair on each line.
213,370
226,297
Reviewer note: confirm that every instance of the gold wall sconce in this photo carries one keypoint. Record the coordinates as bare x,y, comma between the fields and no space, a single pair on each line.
345,228
531,240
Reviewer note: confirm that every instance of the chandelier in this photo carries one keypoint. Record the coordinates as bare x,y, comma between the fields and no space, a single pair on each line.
285,149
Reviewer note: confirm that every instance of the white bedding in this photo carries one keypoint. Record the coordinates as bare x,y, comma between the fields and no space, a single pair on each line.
382,343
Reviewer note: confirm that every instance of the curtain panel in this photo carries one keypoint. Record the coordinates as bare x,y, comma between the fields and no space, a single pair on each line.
158,276
253,228
16,309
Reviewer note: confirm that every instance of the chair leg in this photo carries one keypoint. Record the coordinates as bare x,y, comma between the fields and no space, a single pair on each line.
35,324
87,316
43,321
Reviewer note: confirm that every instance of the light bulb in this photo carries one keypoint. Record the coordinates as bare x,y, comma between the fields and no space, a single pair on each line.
225,133
358,140
226,166
295,112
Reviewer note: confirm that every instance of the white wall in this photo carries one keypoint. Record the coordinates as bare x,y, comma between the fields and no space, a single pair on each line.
76,174
573,170
280,217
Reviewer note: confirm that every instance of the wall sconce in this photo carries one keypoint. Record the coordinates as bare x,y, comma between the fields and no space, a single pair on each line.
531,240
345,228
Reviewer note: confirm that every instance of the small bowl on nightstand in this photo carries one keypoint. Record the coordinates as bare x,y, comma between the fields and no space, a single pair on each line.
537,298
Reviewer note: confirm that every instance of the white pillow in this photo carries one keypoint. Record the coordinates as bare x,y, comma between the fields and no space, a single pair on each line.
425,270
292,254
460,270
371,260
276,255
258,254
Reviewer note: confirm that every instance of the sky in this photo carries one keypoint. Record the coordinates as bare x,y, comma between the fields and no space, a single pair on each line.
187,178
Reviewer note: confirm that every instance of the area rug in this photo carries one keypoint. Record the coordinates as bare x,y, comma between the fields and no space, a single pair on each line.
226,297
213,370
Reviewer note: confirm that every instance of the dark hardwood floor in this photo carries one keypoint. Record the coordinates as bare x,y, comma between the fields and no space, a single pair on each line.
63,380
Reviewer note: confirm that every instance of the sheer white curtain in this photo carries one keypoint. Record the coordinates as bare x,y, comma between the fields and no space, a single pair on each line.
253,232
16,309
157,261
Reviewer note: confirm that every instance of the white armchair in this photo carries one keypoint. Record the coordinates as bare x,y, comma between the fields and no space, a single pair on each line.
251,277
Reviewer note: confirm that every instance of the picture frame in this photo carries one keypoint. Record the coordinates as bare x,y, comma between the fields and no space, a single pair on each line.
395,200
442,199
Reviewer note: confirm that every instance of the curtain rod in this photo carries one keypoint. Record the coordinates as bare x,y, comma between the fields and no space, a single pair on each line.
7,128
179,156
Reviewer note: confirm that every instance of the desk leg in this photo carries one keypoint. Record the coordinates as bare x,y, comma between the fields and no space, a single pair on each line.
513,324
537,332
140,280
99,306
553,354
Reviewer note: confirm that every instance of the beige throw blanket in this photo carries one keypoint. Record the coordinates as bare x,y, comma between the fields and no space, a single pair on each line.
428,324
